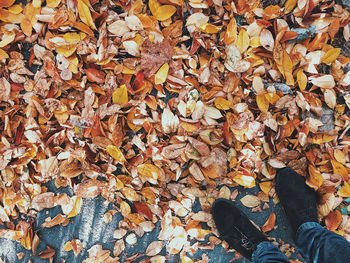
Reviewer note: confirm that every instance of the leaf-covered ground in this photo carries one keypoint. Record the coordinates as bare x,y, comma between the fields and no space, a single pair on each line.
158,107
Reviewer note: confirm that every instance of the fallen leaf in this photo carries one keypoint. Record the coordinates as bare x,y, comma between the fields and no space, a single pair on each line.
250,201
154,248
270,223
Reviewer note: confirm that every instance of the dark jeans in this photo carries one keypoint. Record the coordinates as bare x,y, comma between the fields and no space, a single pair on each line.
315,243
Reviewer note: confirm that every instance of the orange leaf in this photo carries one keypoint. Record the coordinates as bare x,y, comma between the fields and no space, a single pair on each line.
143,209
95,75
6,3
231,32
271,12
289,35
333,220
270,223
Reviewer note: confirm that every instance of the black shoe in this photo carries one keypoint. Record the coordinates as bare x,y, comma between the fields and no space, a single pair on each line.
235,227
298,199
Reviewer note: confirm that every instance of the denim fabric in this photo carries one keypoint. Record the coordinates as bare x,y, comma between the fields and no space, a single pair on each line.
268,252
317,244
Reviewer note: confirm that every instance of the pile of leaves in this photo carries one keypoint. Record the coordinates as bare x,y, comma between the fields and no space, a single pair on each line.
157,104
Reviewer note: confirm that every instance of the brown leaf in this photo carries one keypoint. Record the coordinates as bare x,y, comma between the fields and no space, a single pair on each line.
270,223
48,253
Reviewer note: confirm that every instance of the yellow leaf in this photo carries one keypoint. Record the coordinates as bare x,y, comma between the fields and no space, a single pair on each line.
84,13
120,95
153,6
266,187
67,50
210,29
244,180
164,12
15,9
68,246
231,32
288,68
3,54
74,38
302,80
339,156
344,191
331,55
272,97
315,179
149,172
242,41
262,102
7,39
289,6
73,64
161,74
340,169
116,153
53,3
222,104
77,202
27,240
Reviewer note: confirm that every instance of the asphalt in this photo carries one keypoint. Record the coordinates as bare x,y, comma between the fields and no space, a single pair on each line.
88,226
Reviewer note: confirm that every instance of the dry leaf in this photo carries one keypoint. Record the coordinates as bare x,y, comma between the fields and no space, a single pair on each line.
250,201
154,248
270,223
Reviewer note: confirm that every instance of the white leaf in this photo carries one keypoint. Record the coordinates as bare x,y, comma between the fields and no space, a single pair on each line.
170,122
197,19
118,28
133,22
213,113
330,98
154,248
131,47
233,55
266,39
326,81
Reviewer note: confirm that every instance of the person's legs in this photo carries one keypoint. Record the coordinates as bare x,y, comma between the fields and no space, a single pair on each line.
315,243
318,244
238,231
268,252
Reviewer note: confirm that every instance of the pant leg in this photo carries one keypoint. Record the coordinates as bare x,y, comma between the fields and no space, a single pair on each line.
320,245
266,252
